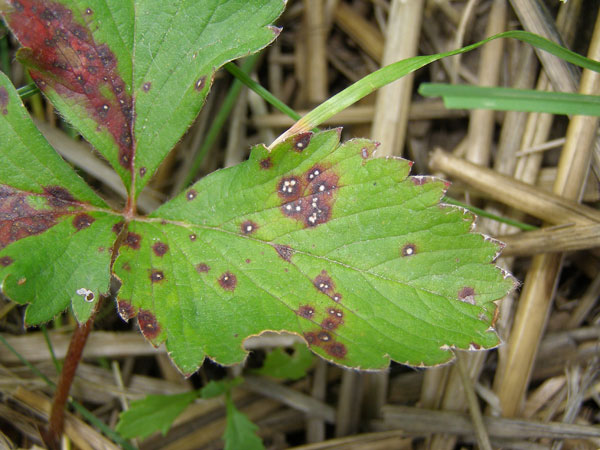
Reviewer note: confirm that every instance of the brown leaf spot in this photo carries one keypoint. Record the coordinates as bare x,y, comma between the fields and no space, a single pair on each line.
200,83
314,172
311,338
148,324
6,261
331,323
408,250
475,346
191,194
202,268
301,141
324,336
82,221
248,260
265,163
3,100
22,281
337,350
126,267
284,251
193,237
324,283
142,172
467,295
156,276
132,240
160,248
338,313
228,281
248,227
337,297
118,227
146,86
126,309
306,311
289,188
89,11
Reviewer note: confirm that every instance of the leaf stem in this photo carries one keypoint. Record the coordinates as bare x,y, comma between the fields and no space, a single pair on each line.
57,415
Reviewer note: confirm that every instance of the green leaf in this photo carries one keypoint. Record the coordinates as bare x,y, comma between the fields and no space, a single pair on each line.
132,76
280,364
216,388
510,99
153,413
370,269
66,256
240,432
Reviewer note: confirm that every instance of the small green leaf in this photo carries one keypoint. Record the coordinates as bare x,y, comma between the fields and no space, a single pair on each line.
216,388
240,432
318,239
280,364
153,413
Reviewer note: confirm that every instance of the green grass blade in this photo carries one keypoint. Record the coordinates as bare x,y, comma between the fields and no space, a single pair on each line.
392,72
509,99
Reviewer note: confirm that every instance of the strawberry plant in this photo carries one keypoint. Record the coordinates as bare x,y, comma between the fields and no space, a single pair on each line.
310,235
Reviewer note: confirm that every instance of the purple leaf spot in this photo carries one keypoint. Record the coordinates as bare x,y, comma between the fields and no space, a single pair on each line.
306,311
160,248
132,240
248,227
337,350
156,276
191,194
408,250
467,295
284,252
148,324
302,141
146,86
228,281
82,221
126,309
199,85
202,268
266,163
6,261
324,283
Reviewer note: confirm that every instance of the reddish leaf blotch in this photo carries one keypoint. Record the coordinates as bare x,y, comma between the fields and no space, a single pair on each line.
82,221
148,324
67,58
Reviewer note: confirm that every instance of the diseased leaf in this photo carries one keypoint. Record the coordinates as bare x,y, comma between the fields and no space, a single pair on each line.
153,413
280,364
319,239
240,432
66,256
131,76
